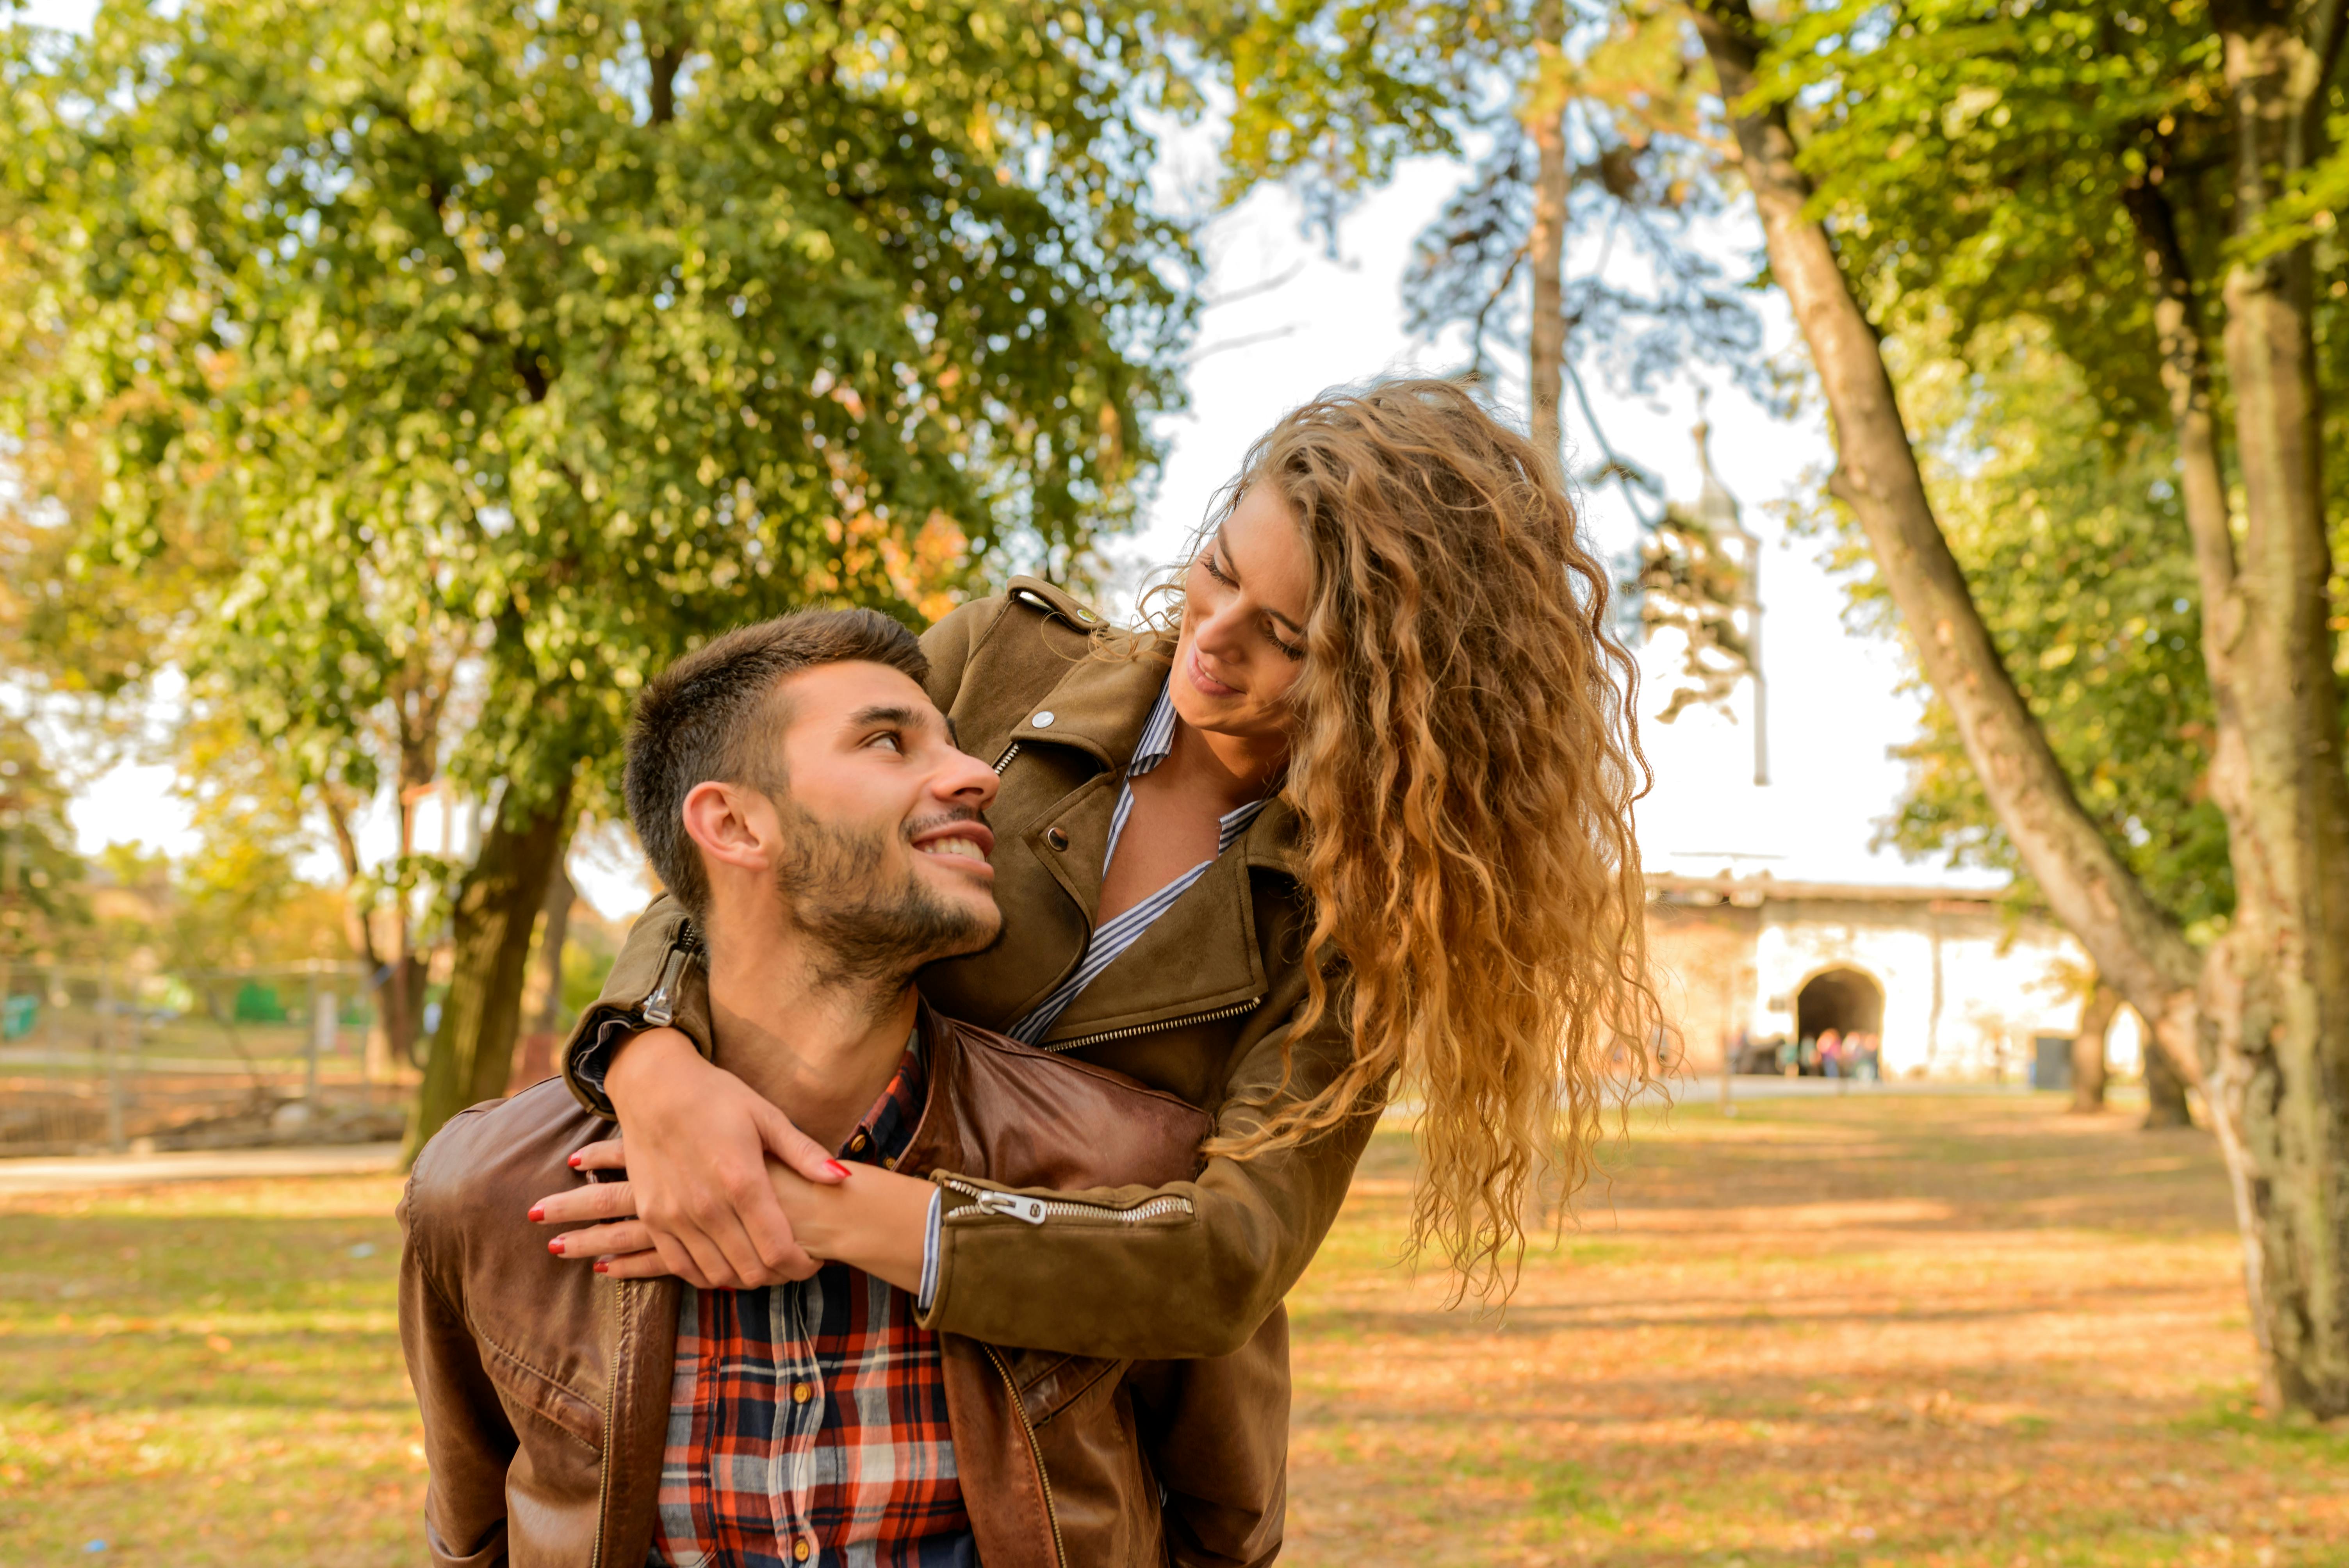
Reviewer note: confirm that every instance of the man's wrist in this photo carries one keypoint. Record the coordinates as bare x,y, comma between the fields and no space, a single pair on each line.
637,1058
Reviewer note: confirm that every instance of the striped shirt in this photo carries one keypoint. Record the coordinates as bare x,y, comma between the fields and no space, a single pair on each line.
1113,936
808,1422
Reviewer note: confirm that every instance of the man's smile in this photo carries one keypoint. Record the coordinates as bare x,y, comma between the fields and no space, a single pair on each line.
963,841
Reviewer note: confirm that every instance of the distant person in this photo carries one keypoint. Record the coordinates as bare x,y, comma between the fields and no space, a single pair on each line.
1831,1055
1790,1057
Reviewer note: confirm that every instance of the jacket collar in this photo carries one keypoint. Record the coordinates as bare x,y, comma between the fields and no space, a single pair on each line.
1102,705
1099,705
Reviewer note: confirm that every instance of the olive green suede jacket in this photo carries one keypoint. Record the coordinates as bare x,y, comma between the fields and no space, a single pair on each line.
1201,1006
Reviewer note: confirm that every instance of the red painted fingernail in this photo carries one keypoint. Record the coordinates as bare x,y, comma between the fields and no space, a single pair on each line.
555,1246
574,1162
837,1169
601,1267
538,1212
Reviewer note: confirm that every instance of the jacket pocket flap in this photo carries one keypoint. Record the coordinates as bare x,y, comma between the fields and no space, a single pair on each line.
1048,1384
542,1396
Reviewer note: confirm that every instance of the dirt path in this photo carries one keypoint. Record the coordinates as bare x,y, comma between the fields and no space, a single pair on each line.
84,1172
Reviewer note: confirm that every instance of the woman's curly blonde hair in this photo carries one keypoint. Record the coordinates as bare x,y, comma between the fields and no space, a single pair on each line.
1466,763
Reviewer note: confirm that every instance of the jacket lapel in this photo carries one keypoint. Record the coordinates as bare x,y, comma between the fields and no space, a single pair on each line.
1098,707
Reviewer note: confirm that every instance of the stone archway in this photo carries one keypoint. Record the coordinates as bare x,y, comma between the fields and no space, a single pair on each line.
1843,999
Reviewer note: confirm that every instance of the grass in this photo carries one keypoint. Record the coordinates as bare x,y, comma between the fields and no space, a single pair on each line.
206,1374
1923,1333
1961,1333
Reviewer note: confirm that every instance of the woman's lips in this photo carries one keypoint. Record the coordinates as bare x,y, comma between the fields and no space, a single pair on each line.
1207,682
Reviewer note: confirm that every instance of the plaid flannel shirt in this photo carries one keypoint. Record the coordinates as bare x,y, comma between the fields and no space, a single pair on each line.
808,1422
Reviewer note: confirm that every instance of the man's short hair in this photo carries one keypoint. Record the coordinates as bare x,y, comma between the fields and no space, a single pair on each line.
715,716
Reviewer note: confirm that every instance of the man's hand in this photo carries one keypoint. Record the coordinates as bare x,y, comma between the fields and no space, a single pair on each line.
698,1140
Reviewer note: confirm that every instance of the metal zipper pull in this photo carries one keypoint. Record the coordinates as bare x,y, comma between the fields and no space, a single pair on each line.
660,1008
1029,1208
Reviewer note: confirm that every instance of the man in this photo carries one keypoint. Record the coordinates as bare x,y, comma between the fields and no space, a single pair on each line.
796,789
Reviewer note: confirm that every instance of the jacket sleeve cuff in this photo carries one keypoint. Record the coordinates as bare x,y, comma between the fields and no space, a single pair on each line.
930,1238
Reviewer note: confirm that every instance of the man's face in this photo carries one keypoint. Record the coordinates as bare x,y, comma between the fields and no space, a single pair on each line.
883,851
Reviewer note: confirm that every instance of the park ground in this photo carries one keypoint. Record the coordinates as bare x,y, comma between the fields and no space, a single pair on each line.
1917,1331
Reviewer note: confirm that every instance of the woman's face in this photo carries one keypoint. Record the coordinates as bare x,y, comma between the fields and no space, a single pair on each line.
1243,638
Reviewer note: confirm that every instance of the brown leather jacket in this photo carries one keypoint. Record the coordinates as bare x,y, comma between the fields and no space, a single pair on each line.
545,1386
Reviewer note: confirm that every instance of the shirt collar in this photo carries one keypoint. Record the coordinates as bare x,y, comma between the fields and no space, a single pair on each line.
1157,742
884,1132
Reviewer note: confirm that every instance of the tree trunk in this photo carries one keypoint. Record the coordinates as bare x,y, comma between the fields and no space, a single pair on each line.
473,1050
2276,991
1545,247
417,697
535,1058
2164,1091
2264,1022
560,896
2088,1049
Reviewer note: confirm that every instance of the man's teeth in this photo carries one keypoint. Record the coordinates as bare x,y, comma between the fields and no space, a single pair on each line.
966,847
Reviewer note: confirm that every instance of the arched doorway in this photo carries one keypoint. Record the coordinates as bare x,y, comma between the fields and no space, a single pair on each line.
1844,1000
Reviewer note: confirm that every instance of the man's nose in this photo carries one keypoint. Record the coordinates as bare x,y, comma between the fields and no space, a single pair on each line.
967,781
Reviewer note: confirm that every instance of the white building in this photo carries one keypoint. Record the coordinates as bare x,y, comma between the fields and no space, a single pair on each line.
1774,913
1955,988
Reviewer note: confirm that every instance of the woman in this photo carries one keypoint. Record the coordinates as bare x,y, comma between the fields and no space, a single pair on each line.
1387,728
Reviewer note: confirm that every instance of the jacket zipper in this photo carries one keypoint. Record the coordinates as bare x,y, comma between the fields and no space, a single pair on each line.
611,1407
659,1008
1036,1448
1036,1211
1127,1033
1004,761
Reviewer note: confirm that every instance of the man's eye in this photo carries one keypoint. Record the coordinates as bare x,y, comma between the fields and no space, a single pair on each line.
890,739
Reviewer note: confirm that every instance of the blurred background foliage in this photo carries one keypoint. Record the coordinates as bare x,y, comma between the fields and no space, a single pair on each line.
391,387
411,381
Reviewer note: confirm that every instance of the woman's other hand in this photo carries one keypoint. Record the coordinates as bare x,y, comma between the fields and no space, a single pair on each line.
698,1141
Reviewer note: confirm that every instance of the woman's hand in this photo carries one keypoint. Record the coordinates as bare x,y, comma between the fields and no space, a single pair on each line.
698,1141
878,1221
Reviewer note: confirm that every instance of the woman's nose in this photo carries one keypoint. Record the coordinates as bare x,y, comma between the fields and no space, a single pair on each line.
1218,634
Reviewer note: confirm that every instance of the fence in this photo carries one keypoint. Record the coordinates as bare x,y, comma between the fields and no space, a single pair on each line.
100,1056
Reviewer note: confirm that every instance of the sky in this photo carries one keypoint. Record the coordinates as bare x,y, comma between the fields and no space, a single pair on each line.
1836,702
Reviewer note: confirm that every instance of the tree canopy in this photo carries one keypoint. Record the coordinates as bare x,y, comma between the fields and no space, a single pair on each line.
465,363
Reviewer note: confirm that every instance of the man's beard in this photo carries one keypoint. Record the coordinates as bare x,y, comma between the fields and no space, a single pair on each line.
869,930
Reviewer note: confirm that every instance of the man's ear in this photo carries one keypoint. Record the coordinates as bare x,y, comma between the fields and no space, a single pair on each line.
734,826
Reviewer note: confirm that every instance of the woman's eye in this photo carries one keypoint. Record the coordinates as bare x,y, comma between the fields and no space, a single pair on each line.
1208,560
1293,650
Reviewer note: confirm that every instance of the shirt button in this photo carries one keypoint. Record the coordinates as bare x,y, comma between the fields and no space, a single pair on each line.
1042,720
802,1392
799,1551
1055,838
856,1144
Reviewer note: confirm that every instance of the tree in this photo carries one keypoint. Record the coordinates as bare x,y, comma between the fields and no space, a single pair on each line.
2028,128
2098,1010
2093,612
41,905
512,350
